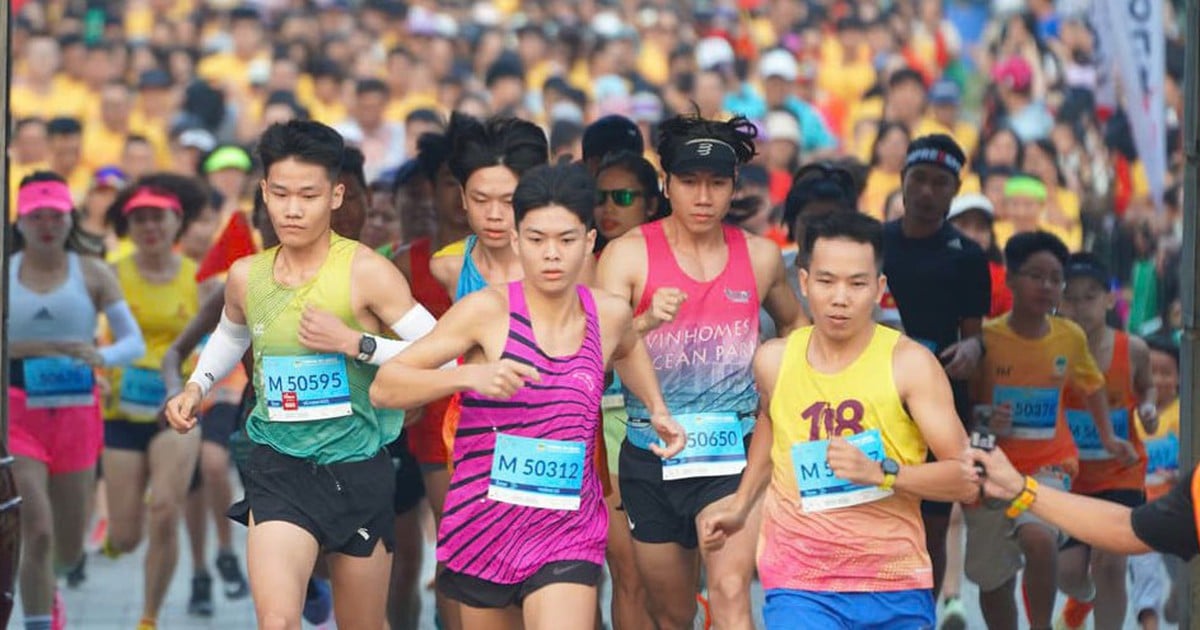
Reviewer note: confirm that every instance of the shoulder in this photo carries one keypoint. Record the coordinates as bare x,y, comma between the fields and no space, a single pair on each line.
1068,329
908,355
97,269
612,309
764,253
1138,349
769,356
624,250
484,303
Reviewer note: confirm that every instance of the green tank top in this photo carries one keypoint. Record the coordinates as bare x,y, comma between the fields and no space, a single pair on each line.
310,406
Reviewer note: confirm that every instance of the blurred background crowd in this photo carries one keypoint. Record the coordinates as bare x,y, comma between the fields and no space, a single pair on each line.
105,92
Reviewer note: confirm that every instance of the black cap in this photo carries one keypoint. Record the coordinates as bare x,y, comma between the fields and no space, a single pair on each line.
154,79
1086,265
507,65
611,134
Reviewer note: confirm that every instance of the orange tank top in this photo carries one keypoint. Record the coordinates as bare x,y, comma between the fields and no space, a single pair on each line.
1098,471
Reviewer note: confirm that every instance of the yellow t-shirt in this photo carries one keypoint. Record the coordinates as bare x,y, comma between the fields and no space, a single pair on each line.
833,536
162,312
880,184
1030,374
65,98
1162,452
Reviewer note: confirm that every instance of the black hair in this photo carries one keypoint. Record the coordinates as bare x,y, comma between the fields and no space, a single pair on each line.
516,144
906,75
738,132
1022,246
424,115
433,149
981,163
76,240
353,163
566,185
1046,145
885,127
192,195
367,86
63,126
1096,270
1164,343
563,134
851,226
307,141
135,138
817,181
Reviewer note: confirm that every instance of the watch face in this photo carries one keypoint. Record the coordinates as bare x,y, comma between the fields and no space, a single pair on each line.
366,345
890,467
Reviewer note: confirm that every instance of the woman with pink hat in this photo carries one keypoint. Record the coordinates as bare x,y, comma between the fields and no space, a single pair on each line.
55,427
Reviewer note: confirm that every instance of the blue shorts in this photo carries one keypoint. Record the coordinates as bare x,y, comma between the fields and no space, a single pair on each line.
896,610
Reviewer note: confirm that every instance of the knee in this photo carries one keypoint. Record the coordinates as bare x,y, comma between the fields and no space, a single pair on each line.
1038,544
1109,567
36,537
164,517
730,592
214,470
270,620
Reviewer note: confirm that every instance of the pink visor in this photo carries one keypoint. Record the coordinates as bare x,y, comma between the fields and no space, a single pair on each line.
146,198
38,195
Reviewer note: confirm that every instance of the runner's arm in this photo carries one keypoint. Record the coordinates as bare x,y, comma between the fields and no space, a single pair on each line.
756,476
632,363
415,376
614,276
926,394
203,323
1143,384
779,301
230,340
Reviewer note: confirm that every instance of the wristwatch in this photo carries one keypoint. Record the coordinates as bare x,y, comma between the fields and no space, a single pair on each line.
366,348
891,468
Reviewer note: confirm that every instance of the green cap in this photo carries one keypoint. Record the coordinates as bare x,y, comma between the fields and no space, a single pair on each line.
1025,186
228,157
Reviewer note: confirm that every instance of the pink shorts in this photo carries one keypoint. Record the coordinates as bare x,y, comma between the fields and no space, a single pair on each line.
67,440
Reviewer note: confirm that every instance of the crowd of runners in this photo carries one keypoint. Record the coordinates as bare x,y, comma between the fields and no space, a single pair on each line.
698,348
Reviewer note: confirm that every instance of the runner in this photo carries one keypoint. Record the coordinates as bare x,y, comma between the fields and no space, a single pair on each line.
628,195
1030,356
696,286
524,545
54,297
140,458
940,283
319,479
847,551
1092,576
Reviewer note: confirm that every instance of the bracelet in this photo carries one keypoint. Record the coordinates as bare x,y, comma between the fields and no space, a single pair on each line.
1023,500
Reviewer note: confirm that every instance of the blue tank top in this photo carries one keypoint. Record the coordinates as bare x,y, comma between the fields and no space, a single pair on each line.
64,314
469,279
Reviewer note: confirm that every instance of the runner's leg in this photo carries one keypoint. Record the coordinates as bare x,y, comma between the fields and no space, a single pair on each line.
36,578
669,574
560,606
125,478
1074,578
172,462
437,484
628,596
936,526
490,618
280,557
729,571
999,606
1108,571
1040,547
404,596
360,588
70,497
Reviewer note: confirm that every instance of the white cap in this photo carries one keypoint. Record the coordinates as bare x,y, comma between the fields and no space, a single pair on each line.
778,63
972,201
783,126
712,52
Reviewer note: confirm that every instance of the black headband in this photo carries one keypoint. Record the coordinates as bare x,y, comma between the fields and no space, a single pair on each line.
706,154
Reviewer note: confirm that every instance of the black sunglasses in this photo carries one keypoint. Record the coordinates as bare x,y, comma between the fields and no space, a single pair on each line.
623,197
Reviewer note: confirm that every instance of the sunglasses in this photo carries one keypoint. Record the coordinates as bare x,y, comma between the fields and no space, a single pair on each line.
622,197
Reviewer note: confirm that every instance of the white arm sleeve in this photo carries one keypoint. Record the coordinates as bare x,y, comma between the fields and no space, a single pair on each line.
129,345
221,354
416,323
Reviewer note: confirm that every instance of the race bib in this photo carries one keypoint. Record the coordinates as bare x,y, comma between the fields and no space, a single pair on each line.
58,382
306,387
1087,436
143,392
714,447
820,489
1034,410
537,473
1162,456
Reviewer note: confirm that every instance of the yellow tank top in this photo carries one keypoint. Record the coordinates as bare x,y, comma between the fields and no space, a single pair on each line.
162,311
877,545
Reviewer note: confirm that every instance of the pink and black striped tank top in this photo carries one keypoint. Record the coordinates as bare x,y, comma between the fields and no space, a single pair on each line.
506,543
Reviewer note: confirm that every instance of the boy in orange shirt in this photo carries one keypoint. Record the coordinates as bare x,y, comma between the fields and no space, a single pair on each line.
1031,356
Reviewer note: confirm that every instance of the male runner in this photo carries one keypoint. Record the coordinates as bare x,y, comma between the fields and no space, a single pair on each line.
939,279
1030,357
318,478
523,535
852,407
696,286
1125,360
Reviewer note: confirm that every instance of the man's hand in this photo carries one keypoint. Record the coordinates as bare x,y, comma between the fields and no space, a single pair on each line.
322,331
181,410
1148,414
85,352
849,462
1121,449
720,525
670,432
1001,420
664,306
963,358
1000,479
501,379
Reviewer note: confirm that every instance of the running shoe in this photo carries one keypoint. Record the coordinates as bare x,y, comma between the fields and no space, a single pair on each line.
201,604
318,604
954,614
108,550
231,576
1074,615
703,614
147,624
99,534
77,574
58,614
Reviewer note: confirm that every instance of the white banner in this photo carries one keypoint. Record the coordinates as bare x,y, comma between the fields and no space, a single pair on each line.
1137,41
1106,69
